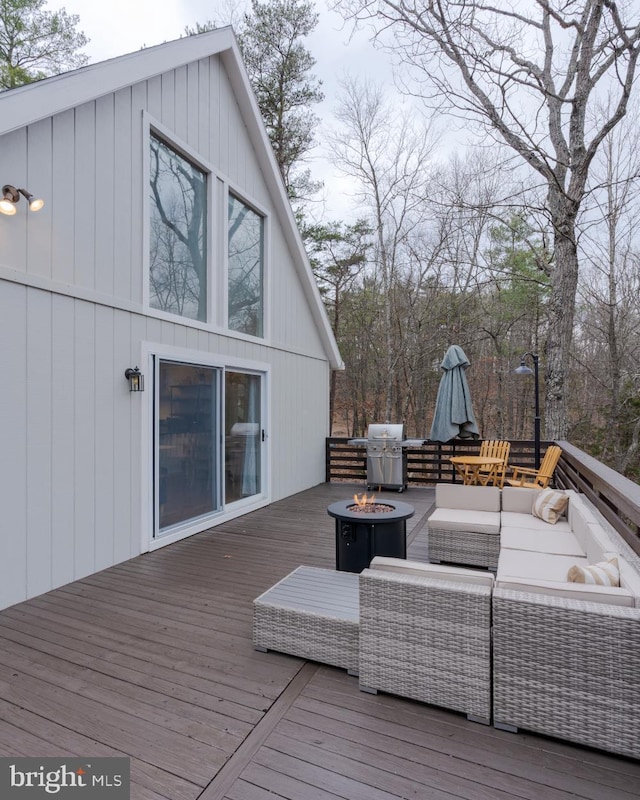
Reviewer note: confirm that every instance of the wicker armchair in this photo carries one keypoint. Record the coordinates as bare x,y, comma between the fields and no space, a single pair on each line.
567,668
425,634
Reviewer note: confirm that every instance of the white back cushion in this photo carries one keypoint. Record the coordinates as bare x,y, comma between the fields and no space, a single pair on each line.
474,498
518,500
441,571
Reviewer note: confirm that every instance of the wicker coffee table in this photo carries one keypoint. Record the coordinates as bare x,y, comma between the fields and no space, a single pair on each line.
313,613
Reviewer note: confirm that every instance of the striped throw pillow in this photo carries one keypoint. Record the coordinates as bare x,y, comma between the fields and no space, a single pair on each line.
549,504
605,573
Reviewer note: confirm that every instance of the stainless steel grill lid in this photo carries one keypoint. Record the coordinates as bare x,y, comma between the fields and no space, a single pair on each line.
385,432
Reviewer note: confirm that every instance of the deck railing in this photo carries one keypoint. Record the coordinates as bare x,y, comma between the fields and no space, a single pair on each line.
616,497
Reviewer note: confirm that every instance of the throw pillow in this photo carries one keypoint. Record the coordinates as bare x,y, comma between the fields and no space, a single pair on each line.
549,504
605,573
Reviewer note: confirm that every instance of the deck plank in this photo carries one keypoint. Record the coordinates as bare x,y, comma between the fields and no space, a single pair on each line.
153,659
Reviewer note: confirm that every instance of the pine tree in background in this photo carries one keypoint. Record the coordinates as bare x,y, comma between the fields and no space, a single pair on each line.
35,43
279,66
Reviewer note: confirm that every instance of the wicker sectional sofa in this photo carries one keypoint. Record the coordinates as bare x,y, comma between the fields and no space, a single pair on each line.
517,644
565,656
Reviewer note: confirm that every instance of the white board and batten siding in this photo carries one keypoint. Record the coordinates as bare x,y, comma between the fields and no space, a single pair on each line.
74,472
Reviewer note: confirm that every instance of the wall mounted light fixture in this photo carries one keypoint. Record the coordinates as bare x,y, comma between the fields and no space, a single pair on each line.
10,197
135,378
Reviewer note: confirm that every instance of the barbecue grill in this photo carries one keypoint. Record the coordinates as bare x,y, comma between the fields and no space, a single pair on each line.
386,456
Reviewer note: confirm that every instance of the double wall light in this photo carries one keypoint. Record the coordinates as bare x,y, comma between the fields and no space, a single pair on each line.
10,197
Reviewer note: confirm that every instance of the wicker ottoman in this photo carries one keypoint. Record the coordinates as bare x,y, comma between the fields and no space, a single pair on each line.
313,613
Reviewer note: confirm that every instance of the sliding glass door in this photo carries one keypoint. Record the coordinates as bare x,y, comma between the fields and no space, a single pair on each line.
243,435
208,441
186,454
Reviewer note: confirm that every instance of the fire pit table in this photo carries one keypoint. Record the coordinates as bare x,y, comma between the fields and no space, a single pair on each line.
377,528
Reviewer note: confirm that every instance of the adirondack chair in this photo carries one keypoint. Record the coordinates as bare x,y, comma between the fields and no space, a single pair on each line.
495,448
537,478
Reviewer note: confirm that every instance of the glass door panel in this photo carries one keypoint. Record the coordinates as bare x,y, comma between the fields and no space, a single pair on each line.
243,436
186,457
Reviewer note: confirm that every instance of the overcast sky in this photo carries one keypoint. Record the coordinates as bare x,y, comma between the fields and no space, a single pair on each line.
117,27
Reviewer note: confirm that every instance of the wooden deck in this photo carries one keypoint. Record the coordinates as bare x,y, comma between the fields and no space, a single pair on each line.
153,659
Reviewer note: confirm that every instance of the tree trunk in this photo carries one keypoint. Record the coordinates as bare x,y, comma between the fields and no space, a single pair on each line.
562,302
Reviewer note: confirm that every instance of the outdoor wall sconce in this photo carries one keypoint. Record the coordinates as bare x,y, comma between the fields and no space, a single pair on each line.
135,378
10,197
523,369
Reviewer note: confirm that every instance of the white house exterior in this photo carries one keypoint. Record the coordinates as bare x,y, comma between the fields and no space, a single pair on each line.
166,243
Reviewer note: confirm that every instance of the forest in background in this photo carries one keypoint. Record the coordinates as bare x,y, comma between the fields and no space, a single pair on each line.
463,267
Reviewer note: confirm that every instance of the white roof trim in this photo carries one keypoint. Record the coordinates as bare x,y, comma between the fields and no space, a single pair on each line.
28,104
71,89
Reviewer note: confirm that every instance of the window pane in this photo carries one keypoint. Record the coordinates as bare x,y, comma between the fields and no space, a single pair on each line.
186,443
242,436
178,264
246,233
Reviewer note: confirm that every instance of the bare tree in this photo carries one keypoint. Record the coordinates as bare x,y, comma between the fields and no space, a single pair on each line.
386,154
611,322
530,73
338,256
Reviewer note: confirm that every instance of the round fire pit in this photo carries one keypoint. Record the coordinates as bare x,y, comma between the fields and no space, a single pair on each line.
363,534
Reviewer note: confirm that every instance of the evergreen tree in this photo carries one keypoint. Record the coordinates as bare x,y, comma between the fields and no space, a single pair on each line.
35,43
279,67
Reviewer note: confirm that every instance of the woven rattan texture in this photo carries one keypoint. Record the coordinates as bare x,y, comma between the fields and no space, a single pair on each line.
427,639
569,669
464,547
312,636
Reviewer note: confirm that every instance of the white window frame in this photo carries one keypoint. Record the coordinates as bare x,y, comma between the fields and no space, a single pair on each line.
232,189
153,128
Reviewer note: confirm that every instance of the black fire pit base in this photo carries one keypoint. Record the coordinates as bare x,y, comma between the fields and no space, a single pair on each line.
361,536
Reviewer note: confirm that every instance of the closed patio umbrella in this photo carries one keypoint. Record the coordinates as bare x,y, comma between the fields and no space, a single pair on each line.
453,416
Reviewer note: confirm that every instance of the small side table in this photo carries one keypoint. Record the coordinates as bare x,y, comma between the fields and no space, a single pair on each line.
468,467
312,613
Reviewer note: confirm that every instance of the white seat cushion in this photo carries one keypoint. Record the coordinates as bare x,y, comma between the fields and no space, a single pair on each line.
510,519
558,542
538,566
459,519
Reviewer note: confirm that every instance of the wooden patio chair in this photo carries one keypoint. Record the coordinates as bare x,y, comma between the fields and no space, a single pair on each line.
537,478
495,448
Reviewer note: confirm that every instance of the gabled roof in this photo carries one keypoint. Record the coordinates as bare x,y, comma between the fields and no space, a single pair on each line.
35,101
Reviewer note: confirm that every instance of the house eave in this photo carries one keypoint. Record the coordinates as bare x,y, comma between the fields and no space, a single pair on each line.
35,101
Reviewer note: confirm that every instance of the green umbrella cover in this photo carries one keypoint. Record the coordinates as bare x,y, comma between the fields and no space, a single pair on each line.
453,416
